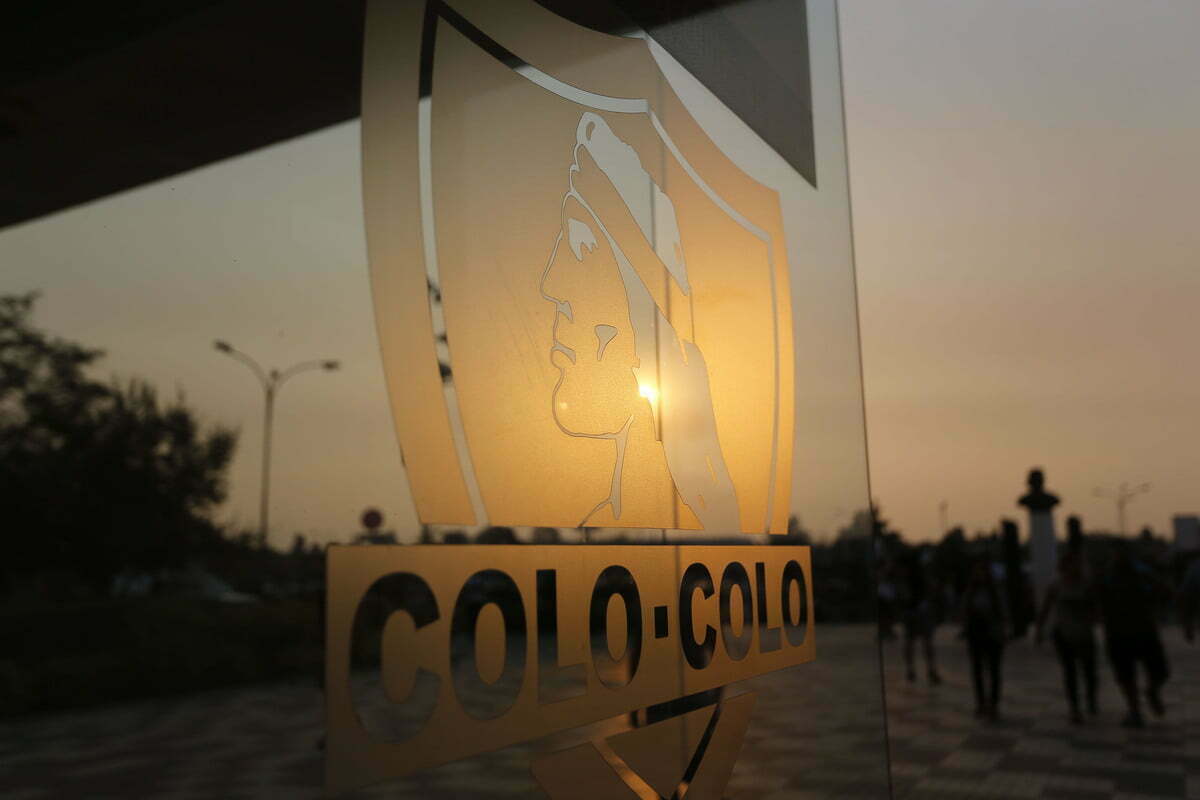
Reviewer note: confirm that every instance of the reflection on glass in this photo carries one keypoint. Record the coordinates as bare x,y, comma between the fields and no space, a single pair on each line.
600,300
654,389
608,294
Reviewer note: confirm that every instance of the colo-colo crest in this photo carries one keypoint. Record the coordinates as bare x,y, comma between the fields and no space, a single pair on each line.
585,321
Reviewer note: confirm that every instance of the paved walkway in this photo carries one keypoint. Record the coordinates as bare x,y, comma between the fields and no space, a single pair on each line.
816,733
939,750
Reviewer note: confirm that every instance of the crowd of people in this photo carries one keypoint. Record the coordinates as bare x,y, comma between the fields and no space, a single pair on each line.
993,605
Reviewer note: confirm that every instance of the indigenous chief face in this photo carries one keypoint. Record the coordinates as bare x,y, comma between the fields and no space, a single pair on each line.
625,372
594,345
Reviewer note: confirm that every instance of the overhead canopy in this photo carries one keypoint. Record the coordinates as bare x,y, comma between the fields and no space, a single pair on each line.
98,97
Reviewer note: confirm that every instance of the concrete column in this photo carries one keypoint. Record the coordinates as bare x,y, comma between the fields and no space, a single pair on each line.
1043,548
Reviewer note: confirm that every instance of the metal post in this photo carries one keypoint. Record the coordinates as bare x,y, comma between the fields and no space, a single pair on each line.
1122,495
264,502
270,382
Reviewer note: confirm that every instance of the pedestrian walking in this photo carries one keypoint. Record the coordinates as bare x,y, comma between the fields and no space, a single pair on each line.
920,621
985,629
1131,633
1072,604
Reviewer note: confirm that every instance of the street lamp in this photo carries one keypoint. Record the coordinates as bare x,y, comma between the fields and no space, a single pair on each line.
271,381
1122,495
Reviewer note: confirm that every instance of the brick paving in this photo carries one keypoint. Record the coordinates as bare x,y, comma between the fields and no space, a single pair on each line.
816,733
939,750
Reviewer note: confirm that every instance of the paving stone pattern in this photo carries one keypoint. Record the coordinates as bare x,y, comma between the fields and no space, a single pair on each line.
817,732
939,750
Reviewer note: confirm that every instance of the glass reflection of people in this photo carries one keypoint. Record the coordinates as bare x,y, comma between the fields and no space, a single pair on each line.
1072,601
920,621
1131,633
885,588
629,371
1189,598
985,629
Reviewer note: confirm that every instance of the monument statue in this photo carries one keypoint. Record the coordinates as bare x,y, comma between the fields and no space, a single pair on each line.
1042,545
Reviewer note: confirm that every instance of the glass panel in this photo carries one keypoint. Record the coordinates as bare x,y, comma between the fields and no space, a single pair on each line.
633,340
600,334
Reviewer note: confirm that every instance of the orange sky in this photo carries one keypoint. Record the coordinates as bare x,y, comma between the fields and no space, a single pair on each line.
1023,183
1024,180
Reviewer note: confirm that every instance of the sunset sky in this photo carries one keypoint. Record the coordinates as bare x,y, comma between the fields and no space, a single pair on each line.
1023,178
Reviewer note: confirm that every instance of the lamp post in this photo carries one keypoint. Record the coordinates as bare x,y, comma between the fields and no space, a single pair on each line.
1122,495
271,381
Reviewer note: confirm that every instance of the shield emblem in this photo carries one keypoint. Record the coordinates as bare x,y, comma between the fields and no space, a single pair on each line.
582,302
584,313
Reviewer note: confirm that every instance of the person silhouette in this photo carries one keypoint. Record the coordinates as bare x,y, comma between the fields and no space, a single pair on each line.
920,620
1131,632
985,629
1075,607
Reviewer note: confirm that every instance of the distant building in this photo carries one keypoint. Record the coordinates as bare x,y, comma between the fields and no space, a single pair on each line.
1187,532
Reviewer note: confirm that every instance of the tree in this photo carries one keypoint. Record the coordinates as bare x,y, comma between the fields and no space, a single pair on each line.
96,477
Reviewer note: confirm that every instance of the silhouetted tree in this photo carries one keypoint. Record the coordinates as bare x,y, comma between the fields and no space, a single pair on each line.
95,477
844,567
863,524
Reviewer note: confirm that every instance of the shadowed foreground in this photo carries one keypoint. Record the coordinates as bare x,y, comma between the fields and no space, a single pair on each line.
939,750
816,733
816,728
